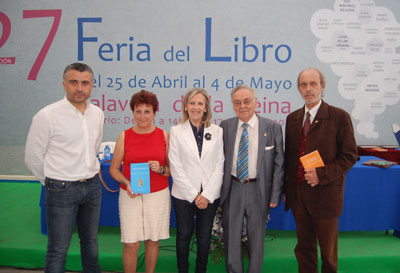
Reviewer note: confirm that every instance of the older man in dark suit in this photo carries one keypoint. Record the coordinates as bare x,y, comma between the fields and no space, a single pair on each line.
253,178
316,195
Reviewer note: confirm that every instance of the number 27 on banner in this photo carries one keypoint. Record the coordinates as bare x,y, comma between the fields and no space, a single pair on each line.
27,14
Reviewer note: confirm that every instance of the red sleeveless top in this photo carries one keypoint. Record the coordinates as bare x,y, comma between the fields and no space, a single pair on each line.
140,148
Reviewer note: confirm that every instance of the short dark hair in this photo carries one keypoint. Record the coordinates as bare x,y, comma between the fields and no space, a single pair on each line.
144,97
81,67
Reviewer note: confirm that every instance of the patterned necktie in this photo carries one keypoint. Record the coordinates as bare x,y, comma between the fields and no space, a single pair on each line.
307,124
242,163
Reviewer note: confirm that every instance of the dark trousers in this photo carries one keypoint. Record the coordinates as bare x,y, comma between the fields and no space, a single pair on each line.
66,203
185,213
312,230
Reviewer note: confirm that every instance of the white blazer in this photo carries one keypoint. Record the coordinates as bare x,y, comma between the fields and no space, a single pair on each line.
189,171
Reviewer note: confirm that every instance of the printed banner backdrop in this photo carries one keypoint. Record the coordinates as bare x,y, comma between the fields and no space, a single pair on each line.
171,46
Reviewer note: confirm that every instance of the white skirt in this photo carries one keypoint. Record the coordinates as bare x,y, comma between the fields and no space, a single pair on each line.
145,217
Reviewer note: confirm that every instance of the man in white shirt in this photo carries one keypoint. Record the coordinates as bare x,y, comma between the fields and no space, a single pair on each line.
61,150
253,179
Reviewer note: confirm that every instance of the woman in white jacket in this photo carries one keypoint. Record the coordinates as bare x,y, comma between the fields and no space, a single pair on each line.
196,159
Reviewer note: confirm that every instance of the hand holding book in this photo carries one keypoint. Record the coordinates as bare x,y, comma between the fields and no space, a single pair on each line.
312,160
140,178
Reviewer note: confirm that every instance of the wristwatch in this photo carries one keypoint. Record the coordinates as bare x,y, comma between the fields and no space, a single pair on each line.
163,169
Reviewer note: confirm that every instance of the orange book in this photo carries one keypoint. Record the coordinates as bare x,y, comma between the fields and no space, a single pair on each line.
312,160
378,149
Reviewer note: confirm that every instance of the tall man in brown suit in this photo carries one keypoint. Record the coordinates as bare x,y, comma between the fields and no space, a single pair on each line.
316,195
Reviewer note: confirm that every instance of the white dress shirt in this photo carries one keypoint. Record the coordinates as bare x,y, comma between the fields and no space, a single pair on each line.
63,143
313,112
253,146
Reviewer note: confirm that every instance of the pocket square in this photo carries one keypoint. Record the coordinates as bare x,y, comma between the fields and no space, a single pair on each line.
269,147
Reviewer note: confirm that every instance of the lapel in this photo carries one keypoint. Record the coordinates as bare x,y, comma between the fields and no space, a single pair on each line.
322,114
299,121
231,137
207,143
188,137
262,140
233,131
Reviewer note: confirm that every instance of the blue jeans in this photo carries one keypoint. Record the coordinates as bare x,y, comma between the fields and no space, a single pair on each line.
185,213
67,202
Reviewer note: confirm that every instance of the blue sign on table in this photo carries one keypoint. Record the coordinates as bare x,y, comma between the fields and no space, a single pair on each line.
140,178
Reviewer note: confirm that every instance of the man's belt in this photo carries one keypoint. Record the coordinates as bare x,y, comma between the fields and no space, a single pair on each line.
234,178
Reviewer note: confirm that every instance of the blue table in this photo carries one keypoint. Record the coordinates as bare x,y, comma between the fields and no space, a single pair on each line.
371,201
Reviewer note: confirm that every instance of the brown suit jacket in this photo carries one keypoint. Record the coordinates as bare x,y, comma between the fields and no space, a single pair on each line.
331,133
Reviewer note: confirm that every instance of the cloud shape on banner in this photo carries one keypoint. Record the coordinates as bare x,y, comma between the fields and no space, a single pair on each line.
361,42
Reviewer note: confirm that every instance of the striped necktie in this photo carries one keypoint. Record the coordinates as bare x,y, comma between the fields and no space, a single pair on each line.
307,124
242,169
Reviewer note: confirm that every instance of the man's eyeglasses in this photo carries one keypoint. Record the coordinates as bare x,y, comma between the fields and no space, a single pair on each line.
245,102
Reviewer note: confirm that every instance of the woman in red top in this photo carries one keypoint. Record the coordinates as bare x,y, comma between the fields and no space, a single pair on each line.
144,217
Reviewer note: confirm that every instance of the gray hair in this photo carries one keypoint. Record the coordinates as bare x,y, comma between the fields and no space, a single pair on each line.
322,80
239,87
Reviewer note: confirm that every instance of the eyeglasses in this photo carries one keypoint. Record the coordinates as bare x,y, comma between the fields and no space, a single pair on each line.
244,102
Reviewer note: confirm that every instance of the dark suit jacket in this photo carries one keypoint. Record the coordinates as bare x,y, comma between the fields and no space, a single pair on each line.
270,173
331,133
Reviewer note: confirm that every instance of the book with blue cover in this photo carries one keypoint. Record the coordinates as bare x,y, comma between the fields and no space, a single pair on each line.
140,178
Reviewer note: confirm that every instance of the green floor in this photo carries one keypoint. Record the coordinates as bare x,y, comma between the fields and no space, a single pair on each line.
23,245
